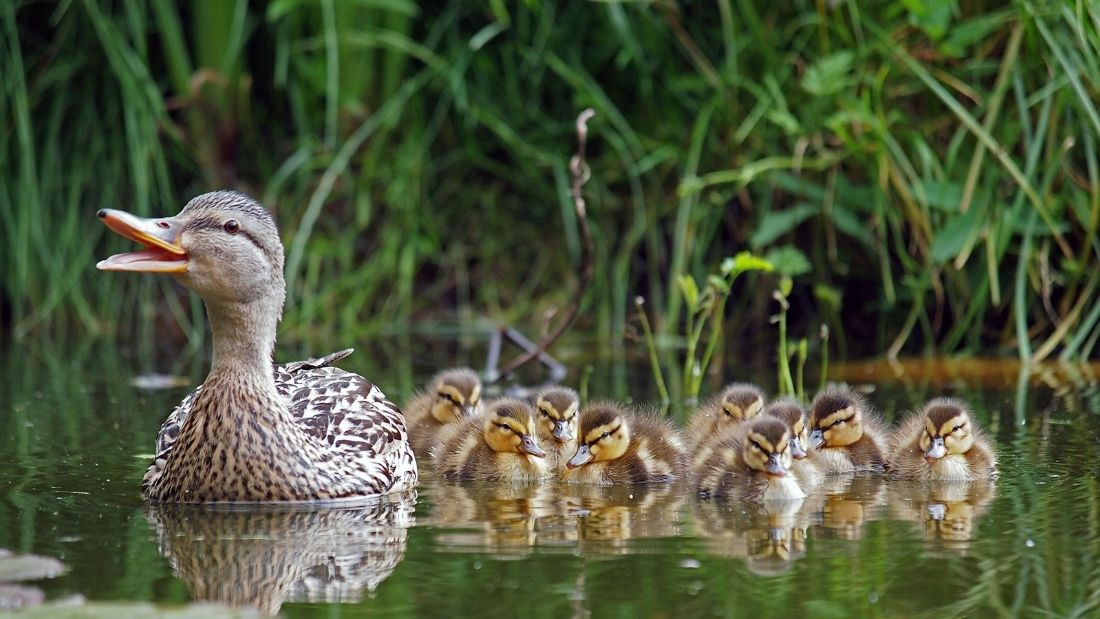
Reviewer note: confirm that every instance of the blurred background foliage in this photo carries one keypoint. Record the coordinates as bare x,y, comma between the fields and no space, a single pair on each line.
924,170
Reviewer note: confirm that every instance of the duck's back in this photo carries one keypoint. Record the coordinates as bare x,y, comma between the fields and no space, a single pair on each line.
341,411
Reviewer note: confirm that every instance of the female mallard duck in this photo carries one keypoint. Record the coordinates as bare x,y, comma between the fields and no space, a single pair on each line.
791,412
845,434
556,408
942,442
254,431
750,462
451,395
738,402
620,447
500,445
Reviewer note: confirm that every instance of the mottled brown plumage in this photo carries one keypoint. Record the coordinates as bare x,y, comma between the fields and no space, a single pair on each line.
942,441
451,396
750,462
845,433
620,446
499,445
557,411
253,431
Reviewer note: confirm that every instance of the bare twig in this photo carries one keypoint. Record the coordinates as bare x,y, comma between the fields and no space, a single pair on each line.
580,173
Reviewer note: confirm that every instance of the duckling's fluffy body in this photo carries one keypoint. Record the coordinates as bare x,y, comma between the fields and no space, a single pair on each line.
621,446
498,445
737,403
846,434
750,462
942,442
557,411
451,396
803,467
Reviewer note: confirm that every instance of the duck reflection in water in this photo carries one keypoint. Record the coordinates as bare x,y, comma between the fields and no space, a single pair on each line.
264,556
844,504
507,520
770,536
608,519
947,511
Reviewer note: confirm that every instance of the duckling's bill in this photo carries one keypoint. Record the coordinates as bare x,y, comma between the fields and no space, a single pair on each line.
583,455
163,252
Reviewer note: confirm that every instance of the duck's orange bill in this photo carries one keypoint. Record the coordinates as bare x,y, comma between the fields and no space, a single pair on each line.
161,238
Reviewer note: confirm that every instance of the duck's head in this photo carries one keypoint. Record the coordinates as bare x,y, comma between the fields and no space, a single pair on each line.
740,402
510,428
604,435
791,412
947,429
223,245
836,418
767,446
456,394
557,414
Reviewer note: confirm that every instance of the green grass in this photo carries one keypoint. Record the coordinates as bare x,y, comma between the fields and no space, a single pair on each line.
935,162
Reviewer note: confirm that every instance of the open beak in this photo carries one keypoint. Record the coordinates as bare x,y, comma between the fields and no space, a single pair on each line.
530,447
161,238
561,432
817,439
581,458
796,449
936,451
775,466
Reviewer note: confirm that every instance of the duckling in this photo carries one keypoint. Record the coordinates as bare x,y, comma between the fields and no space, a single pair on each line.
751,462
452,395
845,434
556,408
942,442
736,403
791,412
499,445
618,446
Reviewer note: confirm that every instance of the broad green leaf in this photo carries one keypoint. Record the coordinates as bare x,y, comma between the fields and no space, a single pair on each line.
788,261
744,262
775,224
830,74
943,195
951,238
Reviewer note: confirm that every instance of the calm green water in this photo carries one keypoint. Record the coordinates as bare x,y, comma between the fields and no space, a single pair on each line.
75,435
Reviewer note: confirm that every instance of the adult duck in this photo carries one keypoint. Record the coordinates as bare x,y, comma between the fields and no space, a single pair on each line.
255,431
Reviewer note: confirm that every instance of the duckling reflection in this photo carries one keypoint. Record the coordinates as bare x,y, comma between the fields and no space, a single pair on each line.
770,536
947,511
847,504
610,517
264,556
507,520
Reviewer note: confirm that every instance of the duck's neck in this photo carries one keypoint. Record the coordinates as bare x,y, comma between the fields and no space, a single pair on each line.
244,342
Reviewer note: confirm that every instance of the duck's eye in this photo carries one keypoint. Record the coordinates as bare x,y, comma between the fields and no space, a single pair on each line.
545,414
605,435
231,226
836,423
957,428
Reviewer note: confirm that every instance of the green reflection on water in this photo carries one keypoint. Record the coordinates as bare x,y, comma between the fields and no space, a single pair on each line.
74,436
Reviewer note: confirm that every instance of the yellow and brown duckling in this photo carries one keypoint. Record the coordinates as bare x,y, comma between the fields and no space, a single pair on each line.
255,431
618,446
791,412
751,462
737,403
452,395
845,434
499,445
557,410
942,441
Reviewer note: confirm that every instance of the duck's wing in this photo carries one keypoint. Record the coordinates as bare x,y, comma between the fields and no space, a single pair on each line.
289,377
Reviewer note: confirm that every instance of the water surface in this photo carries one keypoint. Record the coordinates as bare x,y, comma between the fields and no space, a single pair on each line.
75,437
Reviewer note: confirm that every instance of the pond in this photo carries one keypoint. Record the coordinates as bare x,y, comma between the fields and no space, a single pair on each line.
75,437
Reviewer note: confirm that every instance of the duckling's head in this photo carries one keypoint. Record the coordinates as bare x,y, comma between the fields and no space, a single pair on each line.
836,418
557,413
456,394
604,435
740,402
947,429
510,428
223,245
791,412
767,446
